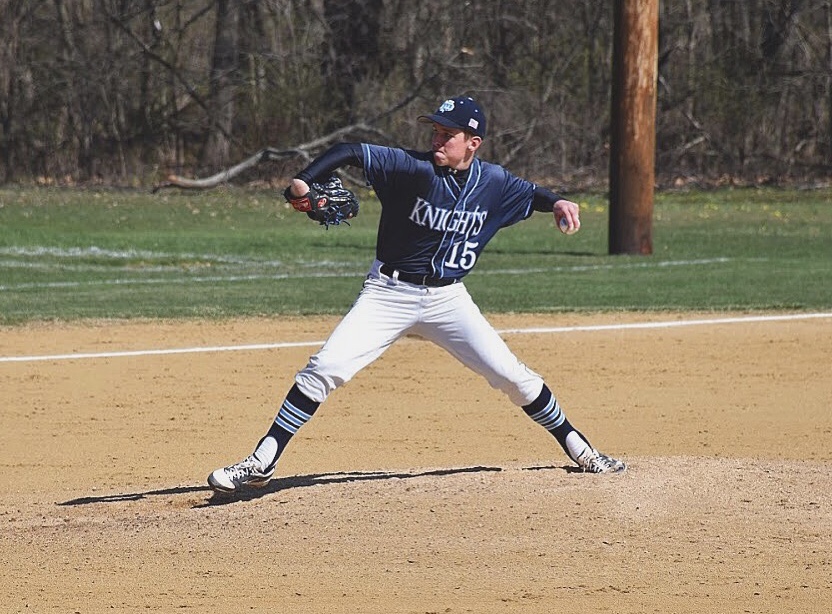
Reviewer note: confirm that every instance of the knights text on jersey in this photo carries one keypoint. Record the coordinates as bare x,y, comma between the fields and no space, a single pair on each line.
429,224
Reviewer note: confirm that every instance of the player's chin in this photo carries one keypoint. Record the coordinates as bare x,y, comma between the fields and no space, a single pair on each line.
440,159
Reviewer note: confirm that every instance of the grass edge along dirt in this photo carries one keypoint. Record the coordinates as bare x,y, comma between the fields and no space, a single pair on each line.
70,254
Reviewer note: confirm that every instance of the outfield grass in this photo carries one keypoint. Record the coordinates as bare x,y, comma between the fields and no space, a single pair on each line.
73,254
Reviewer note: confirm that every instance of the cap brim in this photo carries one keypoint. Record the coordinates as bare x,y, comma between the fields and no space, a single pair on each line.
442,121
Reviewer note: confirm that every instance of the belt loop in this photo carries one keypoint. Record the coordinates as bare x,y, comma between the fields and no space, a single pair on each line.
395,275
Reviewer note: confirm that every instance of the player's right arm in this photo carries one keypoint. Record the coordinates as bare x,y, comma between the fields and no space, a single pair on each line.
567,215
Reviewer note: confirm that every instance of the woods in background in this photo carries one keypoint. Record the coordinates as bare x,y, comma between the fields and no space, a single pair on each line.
123,92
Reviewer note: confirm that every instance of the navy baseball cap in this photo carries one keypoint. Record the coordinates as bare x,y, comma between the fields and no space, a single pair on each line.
462,113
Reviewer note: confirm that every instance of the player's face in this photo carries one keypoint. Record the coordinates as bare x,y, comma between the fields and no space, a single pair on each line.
453,148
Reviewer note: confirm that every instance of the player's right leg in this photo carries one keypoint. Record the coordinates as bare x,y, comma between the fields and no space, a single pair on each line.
379,316
255,470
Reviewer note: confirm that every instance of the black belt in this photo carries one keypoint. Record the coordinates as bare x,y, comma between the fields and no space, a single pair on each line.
415,278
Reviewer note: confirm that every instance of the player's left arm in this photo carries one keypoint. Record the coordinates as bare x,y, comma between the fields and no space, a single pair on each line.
566,212
322,167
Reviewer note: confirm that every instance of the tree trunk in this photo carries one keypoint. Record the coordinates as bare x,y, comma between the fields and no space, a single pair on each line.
829,76
353,51
223,85
9,49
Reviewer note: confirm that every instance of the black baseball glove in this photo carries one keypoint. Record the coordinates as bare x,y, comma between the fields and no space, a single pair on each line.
328,203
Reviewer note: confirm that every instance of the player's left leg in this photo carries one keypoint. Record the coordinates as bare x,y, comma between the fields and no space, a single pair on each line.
546,411
454,322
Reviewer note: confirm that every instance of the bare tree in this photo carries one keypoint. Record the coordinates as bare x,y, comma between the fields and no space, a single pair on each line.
223,85
11,14
109,90
352,51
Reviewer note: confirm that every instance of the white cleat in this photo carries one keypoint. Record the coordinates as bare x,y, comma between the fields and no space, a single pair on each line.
592,461
247,473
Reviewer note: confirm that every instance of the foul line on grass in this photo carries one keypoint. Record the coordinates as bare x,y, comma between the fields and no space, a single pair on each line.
507,331
247,277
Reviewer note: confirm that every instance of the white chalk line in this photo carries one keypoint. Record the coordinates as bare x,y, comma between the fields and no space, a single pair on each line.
186,279
669,323
507,331
177,280
99,253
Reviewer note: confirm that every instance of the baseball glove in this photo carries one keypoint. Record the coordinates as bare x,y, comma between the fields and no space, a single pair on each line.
328,203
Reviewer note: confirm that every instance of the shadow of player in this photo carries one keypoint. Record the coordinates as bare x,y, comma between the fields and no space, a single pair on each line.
285,483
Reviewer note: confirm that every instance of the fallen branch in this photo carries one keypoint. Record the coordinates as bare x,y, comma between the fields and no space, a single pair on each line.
304,151
224,176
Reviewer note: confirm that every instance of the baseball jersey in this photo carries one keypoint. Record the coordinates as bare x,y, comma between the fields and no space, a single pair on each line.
431,225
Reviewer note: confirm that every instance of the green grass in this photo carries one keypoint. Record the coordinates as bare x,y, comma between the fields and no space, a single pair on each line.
74,254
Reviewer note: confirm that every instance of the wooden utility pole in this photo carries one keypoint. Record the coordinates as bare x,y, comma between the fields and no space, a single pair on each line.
633,126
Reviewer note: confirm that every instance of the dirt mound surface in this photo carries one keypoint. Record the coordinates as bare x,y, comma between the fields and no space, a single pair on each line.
417,488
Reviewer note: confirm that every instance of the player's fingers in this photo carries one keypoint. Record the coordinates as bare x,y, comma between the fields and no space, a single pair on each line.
569,224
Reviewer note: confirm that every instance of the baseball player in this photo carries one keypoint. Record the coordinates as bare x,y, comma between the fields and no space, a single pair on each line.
439,209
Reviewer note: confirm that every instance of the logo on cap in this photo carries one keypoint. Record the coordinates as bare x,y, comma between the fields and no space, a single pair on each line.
447,106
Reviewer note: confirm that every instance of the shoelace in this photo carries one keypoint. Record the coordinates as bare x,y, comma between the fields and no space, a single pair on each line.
592,461
243,468
602,462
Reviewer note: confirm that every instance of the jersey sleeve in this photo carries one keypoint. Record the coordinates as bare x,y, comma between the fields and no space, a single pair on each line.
517,199
544,199
342,154
385,165
381,165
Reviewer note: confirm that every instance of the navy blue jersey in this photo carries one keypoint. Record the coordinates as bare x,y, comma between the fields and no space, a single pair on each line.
430,225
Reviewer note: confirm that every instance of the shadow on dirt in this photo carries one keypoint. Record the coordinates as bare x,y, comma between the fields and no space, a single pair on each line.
281,484
303,481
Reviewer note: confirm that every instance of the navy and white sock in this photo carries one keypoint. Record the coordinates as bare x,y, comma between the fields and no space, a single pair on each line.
297,410
546,411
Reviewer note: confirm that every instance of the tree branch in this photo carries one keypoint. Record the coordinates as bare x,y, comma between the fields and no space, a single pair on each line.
305,151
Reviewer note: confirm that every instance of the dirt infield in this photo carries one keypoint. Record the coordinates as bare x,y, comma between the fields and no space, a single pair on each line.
417,488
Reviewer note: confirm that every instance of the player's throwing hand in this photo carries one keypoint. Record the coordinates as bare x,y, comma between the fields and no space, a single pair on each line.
567,216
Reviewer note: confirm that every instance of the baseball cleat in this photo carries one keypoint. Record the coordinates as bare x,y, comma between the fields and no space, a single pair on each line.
592,461
245,474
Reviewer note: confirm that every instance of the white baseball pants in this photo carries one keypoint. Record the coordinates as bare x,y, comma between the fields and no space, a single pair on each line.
387,309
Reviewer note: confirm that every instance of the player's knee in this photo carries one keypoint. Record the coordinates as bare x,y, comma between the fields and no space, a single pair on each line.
521,391
317,383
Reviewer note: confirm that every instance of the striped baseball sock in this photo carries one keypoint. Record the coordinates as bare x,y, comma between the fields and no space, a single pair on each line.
297,410
546,411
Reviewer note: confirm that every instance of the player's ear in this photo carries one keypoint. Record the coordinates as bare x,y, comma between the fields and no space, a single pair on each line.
474,143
